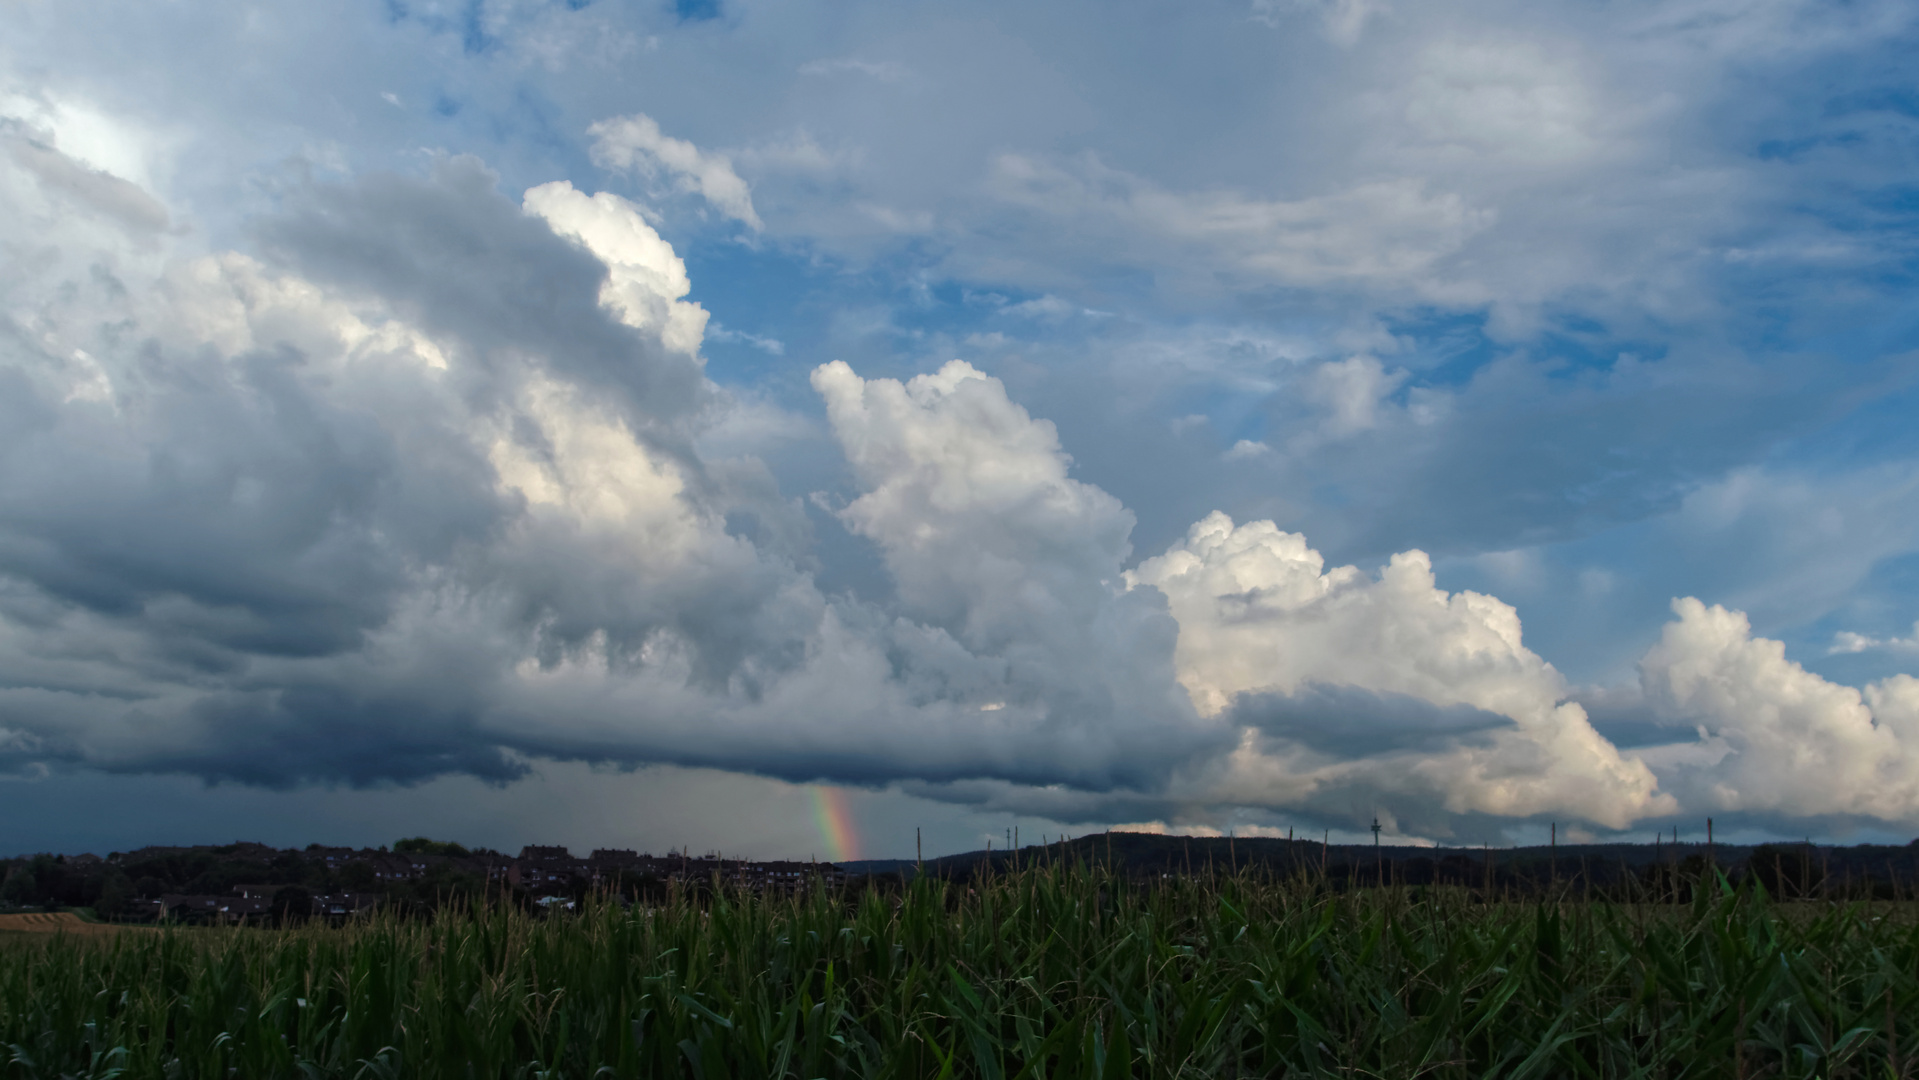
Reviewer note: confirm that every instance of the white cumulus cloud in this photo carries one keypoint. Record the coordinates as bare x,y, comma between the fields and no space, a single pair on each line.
1775,738
636,142
646,282
1266,631
989,540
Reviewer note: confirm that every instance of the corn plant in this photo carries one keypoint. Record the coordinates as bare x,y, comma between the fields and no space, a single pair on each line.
1054,971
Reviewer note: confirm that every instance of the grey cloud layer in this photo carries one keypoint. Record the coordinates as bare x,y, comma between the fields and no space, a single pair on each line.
1424,155
419,498
1655,178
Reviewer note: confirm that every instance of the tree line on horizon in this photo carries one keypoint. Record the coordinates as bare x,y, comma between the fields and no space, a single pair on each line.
113,886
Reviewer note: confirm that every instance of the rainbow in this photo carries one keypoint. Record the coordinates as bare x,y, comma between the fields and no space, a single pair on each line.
835,817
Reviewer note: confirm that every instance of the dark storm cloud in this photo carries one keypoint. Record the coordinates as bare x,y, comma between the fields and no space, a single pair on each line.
336,734
226,487
1351,722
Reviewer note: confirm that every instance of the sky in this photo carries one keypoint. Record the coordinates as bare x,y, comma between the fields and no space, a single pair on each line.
802,429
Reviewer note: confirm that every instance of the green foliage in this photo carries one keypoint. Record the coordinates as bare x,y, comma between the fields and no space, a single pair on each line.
116,895
420,845
357,877
441,886
206,871
1045,973
20,888
291,904
1788,871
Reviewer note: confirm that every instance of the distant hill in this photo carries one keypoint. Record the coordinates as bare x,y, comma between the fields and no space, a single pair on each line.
1152,855
876,866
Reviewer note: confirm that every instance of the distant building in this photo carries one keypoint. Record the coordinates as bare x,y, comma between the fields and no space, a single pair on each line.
218,910
345,905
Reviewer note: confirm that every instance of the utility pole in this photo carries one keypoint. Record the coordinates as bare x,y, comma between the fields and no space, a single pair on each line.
1379,859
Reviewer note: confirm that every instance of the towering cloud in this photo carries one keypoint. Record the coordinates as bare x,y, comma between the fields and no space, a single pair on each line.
1773,738
419,495
968,499
997,551
1386,692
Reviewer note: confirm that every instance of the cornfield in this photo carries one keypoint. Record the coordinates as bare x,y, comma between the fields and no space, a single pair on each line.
1047,972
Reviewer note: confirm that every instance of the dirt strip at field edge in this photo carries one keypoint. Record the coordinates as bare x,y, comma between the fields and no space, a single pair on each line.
64,922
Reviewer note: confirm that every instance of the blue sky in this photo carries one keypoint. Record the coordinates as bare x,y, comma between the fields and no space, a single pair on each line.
520,419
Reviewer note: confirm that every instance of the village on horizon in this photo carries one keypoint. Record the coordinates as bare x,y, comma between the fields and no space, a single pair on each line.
254,882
